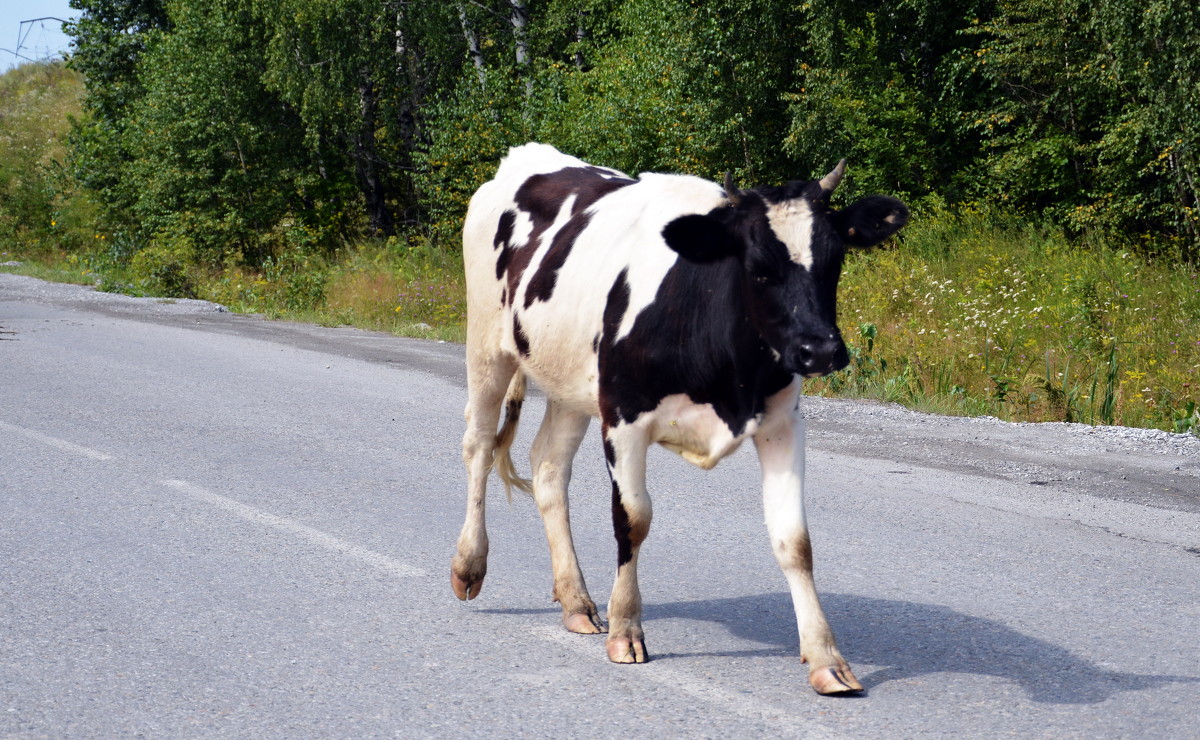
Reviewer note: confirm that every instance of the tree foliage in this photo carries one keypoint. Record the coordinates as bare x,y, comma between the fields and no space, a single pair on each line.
243,128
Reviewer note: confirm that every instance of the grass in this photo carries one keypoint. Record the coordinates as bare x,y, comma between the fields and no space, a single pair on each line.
405,287
972,315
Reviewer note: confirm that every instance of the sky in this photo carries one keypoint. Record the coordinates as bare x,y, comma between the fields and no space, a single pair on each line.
40,40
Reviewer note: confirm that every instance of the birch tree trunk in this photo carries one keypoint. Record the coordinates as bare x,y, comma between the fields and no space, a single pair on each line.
473,49
519,19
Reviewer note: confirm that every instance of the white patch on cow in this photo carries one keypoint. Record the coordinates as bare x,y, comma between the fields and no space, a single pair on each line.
792,222
522,228
780,443
693,430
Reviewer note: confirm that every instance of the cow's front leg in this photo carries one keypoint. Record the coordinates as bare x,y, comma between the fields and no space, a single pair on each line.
625,449
780,444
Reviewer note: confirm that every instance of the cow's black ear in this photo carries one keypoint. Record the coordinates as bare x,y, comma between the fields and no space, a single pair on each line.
869,221
700,239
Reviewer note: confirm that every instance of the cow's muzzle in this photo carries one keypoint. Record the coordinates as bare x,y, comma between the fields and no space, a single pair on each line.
815,357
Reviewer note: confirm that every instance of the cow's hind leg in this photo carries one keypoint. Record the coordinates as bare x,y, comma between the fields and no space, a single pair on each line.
781,453
487,380
625,449
552,454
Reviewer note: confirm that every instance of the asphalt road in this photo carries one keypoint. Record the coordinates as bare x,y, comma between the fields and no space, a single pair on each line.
213,525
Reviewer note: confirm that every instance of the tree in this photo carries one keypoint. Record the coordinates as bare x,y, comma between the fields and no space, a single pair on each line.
674,85
220,159
1148,176
882,87
1041,127
332,62
330,118
108,42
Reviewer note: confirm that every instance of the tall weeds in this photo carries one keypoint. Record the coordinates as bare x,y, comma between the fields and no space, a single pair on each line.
974,313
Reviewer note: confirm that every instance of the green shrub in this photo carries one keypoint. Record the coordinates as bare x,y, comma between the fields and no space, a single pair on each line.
164,268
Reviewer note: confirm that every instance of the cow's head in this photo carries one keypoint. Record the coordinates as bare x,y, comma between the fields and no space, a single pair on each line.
790,245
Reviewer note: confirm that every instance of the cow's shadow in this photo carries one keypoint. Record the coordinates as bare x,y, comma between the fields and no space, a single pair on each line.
910,640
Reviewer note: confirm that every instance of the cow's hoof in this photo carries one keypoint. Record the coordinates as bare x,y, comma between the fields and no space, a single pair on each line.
465,588
627,650
834,680
584,624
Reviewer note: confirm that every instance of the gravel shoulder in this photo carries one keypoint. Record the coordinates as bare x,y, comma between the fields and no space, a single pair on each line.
1148,467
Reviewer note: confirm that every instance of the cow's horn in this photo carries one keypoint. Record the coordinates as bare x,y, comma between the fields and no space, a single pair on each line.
731,191
830,182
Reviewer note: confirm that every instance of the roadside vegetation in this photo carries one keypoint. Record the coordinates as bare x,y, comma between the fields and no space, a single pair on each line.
312,160
974,314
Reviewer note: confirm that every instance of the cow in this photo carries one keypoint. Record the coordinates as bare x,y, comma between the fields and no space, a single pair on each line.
677,311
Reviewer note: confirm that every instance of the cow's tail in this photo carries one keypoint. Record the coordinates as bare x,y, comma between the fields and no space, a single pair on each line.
502,457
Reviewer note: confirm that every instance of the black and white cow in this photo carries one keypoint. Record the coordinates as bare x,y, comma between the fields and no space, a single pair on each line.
678,312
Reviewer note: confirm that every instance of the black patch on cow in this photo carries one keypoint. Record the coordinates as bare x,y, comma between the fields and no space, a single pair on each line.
596,344
502,261
504,229
696,338
541,285
520,337
621,527
504,232
629,533
512,261
615,307
798,313
793,309
809,189
610,452
542,197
